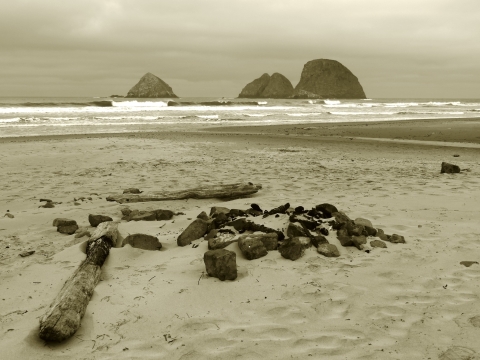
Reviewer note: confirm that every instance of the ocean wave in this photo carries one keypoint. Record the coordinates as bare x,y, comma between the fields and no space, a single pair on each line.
331,102
100,103
362,113
430,113
216,103
303,114
140,104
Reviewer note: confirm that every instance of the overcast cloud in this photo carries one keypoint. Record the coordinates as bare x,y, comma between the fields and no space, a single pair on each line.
408,48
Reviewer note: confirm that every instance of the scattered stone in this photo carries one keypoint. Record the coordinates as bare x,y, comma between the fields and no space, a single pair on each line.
269,240
306,223
242,225
27,253
319,240
364,222
203,215
63,222
256,207
292,249
96,220
459,353
359,241
341,220
328,250
221,241
295,230
282,209
468,263
144,216
197,229
132,191
327,210
449,168
354,229
370,231
221,264
378,244
47,200
220,219
214,211
252,247
143,241
382,235
82,233
9,215
475,321
67,229
48,205
305,241
211,234
324,231
164,214
396,239
344,238
456,155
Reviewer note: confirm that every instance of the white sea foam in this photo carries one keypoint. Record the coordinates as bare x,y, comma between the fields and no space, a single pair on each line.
332,102
142,104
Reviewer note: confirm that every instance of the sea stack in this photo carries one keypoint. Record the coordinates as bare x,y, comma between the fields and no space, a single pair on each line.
151,86
276,86
328,79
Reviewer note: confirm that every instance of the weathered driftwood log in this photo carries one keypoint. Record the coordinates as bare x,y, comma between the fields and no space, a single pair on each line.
65,314
204,192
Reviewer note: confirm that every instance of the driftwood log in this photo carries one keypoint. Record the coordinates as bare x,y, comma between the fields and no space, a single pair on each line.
203,192
65,314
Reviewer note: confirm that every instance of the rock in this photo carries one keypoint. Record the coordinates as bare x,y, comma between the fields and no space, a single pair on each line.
96,220
341,219
378,244
328,250
143,216
468,263
221,241
295,230
396,239
319,240
211,234
370,231
48,205
27,253
194,231
279,87
219,220
10,216
270,240
344,238
132,191
242,225
142,241
216,210
163,214
475,321
63,222
151,86
359,241
203,215
255,88
252,247
282,209
82,233
459,353
328,79
221,264
292,249
67,229
354,229
449,168
382,235
364,222
306,223
327,210
256,207
305,241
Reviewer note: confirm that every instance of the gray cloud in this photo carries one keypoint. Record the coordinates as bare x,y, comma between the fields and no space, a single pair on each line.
213,48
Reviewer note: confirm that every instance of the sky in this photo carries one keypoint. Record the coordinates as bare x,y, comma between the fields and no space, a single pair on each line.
213,48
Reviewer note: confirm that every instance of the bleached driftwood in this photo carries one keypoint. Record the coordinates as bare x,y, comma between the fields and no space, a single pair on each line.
65,314
203,192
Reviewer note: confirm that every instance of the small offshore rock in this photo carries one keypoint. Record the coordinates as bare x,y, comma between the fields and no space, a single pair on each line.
67,229
252,247
468,263
221,264
449,168
63,222
27,253
143,241
292,249
132,191
378,244
96,220
328,250
197,229
203,215
397,239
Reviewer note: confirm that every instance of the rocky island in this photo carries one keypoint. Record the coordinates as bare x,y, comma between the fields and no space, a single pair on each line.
151,86
276,86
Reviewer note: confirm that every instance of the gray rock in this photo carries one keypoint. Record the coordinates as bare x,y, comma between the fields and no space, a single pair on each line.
364,222
143,216
328,79
381,234
378,244
341,220
370,231
397,239
279,87
96,220
151,86
48,205
354,229
255,88
344,238
305,241
63,222
221,264
292,249
449,168
132,191
318,240
194,231
295,230
214,211
328,210
67,229
27,253
203,215
359,241
468,263
8,215
328,250
252,247
269,240
143,241
163,214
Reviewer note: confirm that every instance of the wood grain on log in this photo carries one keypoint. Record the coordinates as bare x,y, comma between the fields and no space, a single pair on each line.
204,192
65,314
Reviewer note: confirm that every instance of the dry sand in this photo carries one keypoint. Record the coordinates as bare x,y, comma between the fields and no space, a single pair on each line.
409,301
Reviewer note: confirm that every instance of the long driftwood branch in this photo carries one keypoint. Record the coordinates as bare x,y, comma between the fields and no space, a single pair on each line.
203,192
65,314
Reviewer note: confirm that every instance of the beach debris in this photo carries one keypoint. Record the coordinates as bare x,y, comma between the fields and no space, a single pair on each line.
197,229
8,215
221,264
132,191
459,353
230,191
64,316
282,209
292,249
222,240
269,240
328,250
456,155
449,168
47,205
378,244
142,241
46,200
27,253
65,226
242,225
468,263
397,239
146,215
96,220
252,247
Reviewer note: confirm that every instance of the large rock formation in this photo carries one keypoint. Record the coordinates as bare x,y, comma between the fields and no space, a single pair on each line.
276,86
151,86
328,79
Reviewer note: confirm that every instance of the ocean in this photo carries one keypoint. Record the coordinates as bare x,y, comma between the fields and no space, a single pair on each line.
87,115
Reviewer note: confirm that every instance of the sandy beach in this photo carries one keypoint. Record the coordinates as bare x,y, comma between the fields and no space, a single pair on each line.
408,301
